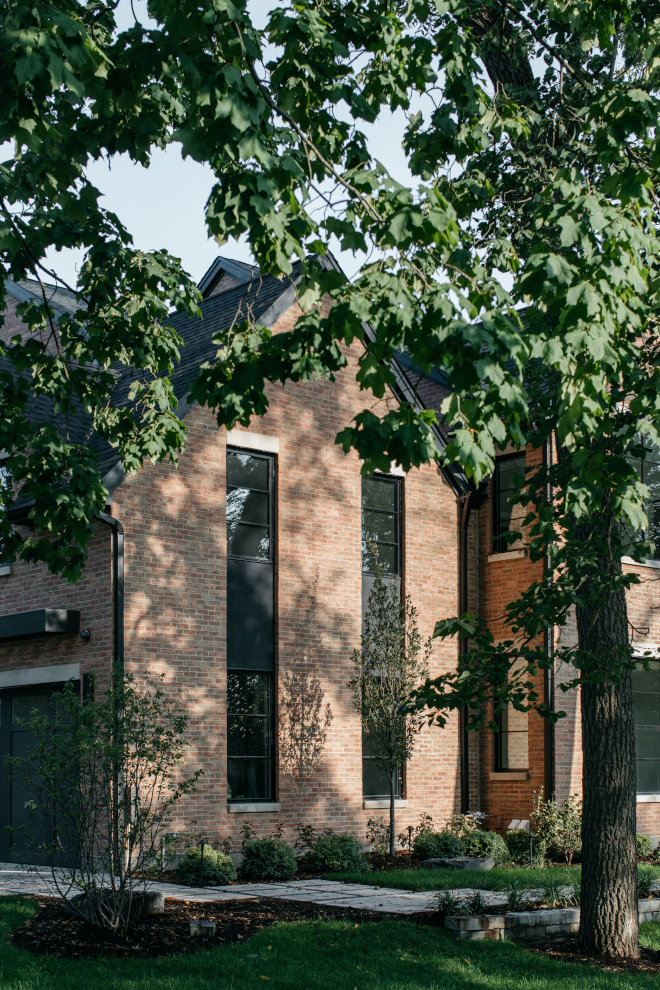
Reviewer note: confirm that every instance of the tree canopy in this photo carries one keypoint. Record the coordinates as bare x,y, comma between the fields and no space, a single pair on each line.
531,130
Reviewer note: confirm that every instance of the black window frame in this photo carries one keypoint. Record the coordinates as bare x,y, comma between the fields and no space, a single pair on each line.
398,519
397,573
270,459
655,667
269,560
498,745
652,502
269,717
499,543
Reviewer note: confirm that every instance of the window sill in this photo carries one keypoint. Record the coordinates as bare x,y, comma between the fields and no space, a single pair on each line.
509,775
507,555
647,563
374,803
252,807
6,570
648,799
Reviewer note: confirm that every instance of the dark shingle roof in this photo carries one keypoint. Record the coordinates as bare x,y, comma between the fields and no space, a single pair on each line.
265,299
60,299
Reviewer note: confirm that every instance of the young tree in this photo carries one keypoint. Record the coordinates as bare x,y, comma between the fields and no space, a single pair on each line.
390,667
105,778
532,139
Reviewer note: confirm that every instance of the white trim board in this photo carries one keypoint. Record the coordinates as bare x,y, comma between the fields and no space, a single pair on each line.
636,563
26,676
253,441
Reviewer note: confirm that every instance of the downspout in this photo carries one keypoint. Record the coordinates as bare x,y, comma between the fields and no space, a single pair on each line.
118,581
463,647
118,664
549,735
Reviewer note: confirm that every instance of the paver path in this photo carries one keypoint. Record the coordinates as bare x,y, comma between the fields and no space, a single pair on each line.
15,879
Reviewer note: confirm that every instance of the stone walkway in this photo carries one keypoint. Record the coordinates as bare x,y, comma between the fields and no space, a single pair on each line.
15,879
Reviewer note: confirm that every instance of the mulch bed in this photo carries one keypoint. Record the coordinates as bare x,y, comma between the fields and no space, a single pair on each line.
567,950
55,933
400,862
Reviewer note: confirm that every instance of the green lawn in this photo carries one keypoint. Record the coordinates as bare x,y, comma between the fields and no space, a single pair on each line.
437,879
380,955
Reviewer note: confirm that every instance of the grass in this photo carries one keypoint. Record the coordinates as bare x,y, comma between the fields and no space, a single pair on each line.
438,879
320,955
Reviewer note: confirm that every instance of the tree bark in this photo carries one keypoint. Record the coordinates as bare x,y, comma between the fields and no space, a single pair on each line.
392,792
609,921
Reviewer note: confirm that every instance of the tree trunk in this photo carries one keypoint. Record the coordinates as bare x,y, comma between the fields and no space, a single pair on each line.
392,792
609,921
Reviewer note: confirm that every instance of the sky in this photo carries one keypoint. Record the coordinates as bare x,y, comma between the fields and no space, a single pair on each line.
163,206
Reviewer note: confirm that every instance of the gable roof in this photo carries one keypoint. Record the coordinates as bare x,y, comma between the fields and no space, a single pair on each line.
265,298
237,269
60,300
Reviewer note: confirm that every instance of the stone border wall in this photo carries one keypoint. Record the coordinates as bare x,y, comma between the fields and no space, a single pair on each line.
528,925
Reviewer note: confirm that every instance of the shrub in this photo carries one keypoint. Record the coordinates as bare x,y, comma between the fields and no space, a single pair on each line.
560,825
517,842
268,859
644,847
76,809
645,881
339,854
461,825
378,836
487,844
217,868
435,845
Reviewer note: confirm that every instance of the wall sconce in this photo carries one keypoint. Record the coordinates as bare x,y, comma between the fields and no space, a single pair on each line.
85,635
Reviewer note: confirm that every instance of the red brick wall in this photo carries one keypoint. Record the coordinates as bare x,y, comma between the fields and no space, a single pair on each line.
224,282
175,587
174,521
31,587
500,581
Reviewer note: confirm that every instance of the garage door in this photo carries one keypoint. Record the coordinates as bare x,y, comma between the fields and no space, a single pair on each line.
16,740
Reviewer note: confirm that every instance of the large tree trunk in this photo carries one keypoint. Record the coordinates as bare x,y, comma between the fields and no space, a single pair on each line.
609,921
392,793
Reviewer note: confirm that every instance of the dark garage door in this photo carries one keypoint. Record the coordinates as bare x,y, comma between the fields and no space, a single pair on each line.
15,740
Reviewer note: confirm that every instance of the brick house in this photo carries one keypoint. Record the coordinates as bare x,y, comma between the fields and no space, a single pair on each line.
240,576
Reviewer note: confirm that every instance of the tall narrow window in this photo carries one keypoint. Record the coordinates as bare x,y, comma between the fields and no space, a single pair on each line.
646,706
5,483
648,470
249,735
512,739
506,517
381,512
381,525
250,635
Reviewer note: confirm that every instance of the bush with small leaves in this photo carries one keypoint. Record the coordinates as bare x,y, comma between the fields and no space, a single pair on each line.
215,869
644,847
646,881
339,854
517,842
559,824
268,859
485,845
437,845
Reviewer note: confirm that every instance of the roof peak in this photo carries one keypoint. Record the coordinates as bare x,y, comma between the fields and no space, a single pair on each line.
240,272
